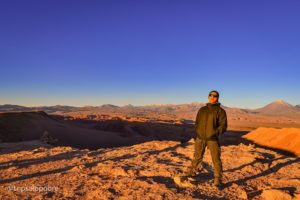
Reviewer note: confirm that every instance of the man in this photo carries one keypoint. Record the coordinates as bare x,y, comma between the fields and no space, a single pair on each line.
211,122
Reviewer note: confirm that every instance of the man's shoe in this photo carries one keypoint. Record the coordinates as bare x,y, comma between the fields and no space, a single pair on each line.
217,182
191,172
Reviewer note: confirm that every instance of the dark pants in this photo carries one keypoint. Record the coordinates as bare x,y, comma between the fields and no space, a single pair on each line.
215,152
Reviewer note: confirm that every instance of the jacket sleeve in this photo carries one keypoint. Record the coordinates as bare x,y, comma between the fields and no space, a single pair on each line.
222,122
197,121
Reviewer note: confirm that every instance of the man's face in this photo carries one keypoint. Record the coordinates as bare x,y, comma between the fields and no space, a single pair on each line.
213,97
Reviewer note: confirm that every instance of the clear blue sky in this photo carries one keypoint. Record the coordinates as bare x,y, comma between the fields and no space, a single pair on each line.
149,52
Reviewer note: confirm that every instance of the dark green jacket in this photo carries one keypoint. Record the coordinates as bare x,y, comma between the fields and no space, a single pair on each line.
211,122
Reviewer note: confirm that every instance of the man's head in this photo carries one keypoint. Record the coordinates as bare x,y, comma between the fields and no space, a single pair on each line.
213,96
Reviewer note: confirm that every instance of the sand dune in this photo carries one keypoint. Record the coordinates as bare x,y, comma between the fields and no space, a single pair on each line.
284,138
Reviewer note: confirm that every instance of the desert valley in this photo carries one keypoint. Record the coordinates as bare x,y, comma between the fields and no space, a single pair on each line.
134,152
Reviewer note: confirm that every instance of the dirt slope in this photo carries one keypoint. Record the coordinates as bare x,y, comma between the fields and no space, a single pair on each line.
284,138
23,126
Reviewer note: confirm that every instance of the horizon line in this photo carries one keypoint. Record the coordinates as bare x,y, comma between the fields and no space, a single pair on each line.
154,104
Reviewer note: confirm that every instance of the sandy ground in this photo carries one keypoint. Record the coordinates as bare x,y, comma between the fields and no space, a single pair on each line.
149,170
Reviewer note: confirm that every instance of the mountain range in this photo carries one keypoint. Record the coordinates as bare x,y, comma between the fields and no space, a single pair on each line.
276,108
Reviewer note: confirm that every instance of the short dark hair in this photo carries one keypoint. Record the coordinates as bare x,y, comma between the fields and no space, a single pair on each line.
215,92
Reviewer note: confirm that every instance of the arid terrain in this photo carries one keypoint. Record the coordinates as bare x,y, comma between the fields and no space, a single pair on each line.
113,152
149,170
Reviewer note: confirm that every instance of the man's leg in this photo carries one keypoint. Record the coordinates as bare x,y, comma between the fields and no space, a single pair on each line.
198,156
215,151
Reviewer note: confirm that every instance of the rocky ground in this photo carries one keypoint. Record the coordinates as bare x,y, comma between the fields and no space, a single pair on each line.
149,170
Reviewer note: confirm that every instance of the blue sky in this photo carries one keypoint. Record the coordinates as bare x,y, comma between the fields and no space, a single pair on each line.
149,52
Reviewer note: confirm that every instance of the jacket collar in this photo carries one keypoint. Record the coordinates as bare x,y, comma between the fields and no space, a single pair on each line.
213,104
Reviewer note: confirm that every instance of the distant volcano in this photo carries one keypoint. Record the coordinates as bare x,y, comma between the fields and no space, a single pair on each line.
279,107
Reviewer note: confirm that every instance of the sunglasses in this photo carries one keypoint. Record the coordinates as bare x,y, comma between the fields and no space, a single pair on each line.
213,95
